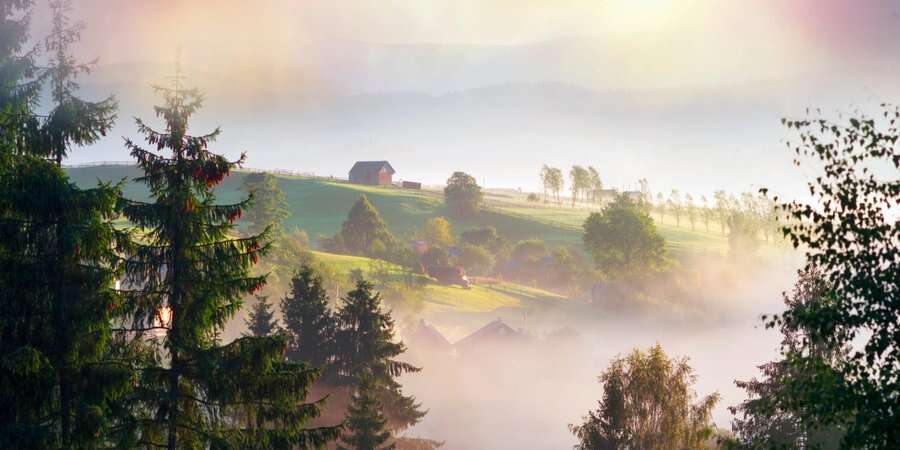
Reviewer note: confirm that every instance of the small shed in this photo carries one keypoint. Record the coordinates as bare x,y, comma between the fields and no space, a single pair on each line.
411,185
375,173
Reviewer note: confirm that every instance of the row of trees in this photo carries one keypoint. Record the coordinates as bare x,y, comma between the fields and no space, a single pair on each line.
752,211
584,183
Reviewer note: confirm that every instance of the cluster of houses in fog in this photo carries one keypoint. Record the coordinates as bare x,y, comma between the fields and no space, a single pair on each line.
424,337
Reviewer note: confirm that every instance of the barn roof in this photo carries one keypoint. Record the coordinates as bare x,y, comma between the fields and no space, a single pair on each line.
362,167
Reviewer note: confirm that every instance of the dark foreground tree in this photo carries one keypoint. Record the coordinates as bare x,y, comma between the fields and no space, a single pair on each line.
57,271
623,240
261,321
647,403
366,344
462,195
19,84
366,426
851,235
208,395
58,259
767,419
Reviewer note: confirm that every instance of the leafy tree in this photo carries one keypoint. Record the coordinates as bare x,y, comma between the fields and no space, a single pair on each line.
850,236
365,344
767,419
364,232
647,403
722,208
675,206
525,260
546,181
706,214
241,394
309,322
556,181
596,185
261,322
623,239
660,206
269,207
435,257
486,237
742,232
462,195
437,232
579,181
564,268
289,250
476,260
366,424
691,210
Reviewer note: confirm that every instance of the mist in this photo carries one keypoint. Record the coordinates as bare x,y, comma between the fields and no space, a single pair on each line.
513,395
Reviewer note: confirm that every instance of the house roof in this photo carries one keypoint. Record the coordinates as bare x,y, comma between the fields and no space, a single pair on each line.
362,167
494,332
427,336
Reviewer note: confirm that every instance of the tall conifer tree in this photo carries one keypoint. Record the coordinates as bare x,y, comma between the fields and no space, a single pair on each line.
240,395
58,261
309,323
366,425
365,344
261,322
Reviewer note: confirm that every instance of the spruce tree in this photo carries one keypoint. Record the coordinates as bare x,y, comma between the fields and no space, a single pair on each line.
365,423
207,395
365,344
309,323
268,207
364,232
261,322
73,121
58,262
19,81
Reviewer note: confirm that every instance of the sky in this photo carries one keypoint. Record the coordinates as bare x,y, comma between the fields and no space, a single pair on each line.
695,59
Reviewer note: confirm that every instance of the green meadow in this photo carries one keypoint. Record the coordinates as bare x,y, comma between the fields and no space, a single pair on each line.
320,207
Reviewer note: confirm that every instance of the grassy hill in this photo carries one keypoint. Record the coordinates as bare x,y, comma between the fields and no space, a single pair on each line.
478,298
320,206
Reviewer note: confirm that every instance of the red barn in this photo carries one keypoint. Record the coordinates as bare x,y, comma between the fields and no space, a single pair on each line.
375,173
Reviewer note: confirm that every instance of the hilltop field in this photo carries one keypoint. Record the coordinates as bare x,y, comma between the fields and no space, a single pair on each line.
320,207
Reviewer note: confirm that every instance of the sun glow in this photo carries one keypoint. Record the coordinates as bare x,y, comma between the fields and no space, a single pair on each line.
643,15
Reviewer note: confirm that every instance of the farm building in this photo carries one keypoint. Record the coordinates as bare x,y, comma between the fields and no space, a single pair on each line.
495,333
411,185
375,173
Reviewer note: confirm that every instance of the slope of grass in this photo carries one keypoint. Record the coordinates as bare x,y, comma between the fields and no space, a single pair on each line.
478,298
320,207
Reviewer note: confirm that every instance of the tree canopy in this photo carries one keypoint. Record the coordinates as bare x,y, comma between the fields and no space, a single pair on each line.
623,239
647,403
851,235
268,208
462,195
364,232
